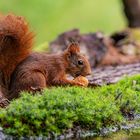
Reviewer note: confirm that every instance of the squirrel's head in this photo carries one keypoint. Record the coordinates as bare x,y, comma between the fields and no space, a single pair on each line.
77,63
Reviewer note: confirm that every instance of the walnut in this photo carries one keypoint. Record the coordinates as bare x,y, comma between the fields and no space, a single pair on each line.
81,79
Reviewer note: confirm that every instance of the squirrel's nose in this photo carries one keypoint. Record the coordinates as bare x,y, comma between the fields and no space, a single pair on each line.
89,73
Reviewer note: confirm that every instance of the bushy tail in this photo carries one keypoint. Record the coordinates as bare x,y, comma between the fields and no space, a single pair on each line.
15,42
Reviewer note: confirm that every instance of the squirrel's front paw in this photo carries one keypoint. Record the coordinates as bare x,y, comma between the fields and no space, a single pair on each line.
4,102
81,81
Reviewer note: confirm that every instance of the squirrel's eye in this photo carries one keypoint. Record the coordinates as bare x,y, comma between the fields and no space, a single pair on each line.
80,62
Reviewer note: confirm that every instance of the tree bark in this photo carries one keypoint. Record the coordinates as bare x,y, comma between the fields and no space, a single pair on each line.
132,12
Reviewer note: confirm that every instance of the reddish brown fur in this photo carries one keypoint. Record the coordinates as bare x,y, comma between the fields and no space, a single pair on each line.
21,70
42,70
15,43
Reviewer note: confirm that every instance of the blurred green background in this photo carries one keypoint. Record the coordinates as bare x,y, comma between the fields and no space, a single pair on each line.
48,18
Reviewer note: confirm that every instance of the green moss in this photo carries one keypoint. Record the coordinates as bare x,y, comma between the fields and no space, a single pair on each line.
58,109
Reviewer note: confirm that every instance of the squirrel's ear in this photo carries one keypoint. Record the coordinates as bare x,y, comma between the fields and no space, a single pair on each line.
73,48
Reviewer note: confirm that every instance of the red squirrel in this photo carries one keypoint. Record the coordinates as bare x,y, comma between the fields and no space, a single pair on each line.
24,70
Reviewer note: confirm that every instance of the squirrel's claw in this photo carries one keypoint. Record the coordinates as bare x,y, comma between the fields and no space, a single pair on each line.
4,102
79,84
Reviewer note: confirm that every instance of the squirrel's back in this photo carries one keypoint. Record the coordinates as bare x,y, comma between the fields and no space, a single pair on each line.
48,64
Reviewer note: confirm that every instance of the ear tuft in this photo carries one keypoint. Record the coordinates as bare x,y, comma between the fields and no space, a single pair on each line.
74,47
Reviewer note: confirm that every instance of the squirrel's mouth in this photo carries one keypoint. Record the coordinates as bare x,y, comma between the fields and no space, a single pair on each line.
76,74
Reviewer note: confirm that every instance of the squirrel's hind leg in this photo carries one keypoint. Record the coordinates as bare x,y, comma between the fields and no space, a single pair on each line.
33,82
